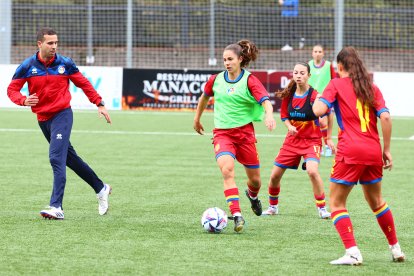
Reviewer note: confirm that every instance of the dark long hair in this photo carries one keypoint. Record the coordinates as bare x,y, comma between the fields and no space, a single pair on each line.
246,49
291,88
362,83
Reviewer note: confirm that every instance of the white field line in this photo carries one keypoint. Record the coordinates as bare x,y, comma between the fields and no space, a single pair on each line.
127,112
166,133
121,132
151,112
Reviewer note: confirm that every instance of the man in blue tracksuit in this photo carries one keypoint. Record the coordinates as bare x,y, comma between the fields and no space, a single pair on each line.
47,74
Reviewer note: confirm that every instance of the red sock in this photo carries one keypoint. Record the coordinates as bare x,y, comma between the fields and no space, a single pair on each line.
253,191
232,198
320,200
386,222
344,228
274,195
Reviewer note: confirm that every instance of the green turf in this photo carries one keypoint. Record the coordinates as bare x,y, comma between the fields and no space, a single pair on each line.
163,178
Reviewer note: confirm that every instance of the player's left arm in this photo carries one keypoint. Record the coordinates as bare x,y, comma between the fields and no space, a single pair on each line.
269,119
329,140
80,81
386,126
83,83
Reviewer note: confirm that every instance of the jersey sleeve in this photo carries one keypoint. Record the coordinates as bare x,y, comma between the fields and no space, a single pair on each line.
257,89
13,91
329,94
73,69
313,99
80,81
208,88
284,115
21,71
313,96
17,83
380,106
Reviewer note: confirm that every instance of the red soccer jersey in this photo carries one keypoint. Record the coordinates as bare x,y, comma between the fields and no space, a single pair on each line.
358,142
306,129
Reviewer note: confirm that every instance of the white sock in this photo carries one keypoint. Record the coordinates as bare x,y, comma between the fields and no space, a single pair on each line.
396,245
353,250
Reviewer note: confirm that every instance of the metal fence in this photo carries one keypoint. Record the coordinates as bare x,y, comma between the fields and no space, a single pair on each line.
189,34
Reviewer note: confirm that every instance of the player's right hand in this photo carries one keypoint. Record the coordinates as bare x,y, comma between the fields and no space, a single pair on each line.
292,130
32,100
270,122
331,145
387,159
198,127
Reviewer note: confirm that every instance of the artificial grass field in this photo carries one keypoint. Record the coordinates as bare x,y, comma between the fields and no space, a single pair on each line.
164,176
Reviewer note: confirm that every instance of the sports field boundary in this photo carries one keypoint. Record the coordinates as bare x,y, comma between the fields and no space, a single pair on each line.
166,133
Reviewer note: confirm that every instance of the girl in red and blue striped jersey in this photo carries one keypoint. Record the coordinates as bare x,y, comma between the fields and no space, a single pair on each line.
302,140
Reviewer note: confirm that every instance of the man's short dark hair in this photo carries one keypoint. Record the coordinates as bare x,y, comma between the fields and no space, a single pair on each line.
44,31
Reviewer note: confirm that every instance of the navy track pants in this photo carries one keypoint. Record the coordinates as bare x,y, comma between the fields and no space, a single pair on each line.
57,131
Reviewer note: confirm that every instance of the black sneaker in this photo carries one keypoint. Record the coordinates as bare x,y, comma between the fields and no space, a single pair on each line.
238,223
256,204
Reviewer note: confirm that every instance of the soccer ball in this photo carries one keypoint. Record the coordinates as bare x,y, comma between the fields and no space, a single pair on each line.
214,220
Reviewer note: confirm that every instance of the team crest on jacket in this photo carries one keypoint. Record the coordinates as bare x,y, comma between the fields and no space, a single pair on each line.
61,69
230,90
34,71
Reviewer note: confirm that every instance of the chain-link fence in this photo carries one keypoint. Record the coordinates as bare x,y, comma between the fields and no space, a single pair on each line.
190,34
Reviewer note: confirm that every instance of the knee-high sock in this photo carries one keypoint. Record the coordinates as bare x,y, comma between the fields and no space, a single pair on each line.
232,198
386,221
320,200
274,195
253,191
344,227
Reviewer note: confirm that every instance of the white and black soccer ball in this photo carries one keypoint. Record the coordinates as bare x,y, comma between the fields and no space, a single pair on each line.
214,220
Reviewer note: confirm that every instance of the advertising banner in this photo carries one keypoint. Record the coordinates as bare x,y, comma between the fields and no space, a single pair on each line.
163,89
180,90
106,80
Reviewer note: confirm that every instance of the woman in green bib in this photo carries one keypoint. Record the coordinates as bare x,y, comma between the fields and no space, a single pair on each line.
239,100
322,72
